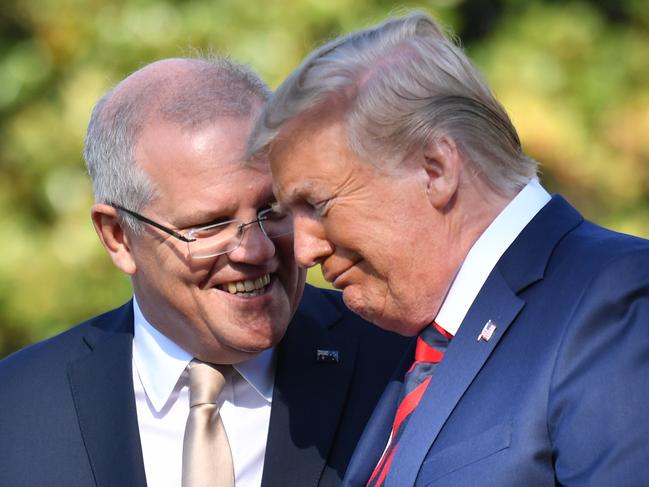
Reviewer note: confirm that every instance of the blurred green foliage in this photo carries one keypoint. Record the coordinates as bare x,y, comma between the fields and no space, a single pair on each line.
573,75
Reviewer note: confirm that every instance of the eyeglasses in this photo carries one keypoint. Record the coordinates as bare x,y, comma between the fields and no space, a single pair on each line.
223,237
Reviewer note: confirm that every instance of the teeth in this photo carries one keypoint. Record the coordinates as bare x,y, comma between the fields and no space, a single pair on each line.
247,286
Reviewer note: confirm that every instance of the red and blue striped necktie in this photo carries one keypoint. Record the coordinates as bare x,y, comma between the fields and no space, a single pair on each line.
431,344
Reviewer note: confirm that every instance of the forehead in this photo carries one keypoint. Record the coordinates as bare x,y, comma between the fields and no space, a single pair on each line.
310,153
203,165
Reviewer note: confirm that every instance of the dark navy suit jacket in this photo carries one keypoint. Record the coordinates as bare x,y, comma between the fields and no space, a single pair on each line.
559,395
68,418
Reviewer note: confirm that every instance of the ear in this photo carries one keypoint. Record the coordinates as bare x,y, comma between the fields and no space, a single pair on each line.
113,236
443,164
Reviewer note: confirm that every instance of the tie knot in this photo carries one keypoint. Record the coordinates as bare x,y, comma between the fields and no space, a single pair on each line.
431,343
206,382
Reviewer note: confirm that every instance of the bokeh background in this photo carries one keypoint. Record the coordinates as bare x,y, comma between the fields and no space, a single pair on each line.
574,76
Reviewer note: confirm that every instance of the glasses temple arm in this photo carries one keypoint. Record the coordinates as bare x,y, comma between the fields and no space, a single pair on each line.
144,219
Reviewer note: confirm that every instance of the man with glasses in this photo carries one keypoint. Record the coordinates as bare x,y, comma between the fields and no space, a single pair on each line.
210,257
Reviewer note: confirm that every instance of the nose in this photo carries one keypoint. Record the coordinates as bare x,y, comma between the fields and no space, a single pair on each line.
255,247
309,241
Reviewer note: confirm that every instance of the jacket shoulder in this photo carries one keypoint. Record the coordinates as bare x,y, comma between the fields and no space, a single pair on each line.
591,250
47,356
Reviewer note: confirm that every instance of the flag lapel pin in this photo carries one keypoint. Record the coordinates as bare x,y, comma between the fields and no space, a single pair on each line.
487,331
327,356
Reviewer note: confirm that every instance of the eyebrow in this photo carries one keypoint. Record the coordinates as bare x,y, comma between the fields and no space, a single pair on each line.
298,192
201,220
224,214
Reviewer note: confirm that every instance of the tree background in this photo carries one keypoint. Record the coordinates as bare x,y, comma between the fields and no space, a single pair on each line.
574,76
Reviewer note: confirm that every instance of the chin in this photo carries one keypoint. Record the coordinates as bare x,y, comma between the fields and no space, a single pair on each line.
365,311
393,324
377,315
261,343
262,337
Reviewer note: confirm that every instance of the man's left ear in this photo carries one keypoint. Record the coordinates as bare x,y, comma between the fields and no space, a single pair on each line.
443,164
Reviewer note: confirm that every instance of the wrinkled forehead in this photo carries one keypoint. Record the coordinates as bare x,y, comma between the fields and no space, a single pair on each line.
217,142
200,160
313,155
306,129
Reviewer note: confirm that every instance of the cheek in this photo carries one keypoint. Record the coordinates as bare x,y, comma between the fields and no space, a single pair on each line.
347,223
377,235
284,249
293,277
388,283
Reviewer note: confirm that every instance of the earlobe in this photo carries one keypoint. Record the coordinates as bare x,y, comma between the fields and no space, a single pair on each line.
113,237
442,164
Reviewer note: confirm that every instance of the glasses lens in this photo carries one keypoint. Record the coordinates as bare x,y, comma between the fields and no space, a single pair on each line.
214,240
275,223
225,237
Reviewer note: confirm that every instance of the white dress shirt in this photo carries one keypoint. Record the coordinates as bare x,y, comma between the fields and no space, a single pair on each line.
485,253
162,403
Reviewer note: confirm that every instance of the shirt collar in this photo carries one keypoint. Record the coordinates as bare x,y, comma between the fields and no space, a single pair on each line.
486,251
259,372
160,363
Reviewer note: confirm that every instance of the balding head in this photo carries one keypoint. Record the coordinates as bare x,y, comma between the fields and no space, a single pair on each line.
186,92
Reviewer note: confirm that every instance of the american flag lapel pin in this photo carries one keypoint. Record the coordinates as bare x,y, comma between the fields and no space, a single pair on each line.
487,331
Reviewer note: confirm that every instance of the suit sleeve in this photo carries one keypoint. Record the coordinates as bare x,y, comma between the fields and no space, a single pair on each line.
599,399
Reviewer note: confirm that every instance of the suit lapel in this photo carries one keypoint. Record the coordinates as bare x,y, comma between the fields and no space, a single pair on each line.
463,359
522,265
101,383
375,436
308,396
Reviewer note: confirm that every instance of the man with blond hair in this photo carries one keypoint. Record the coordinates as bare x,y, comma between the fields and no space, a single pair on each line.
407,182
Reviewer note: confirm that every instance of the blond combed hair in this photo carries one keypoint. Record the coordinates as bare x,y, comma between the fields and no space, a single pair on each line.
402,84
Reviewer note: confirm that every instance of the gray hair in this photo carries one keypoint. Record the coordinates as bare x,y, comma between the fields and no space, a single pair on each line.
402,84
205,90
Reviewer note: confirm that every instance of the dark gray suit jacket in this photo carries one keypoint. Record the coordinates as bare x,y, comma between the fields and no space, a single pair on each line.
68,417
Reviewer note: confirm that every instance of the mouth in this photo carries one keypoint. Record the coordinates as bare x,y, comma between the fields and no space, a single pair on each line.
335,278
247,287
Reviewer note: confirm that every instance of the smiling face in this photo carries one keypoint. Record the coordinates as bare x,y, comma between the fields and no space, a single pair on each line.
200,179
375,232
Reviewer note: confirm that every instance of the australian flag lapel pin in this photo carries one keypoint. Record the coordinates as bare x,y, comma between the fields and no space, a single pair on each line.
327,356
487,331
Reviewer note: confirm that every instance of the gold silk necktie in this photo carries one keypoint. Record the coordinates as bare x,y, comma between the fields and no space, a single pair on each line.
207,459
